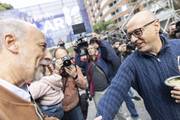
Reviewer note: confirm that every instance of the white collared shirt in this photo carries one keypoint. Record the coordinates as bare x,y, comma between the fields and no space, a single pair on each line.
16,90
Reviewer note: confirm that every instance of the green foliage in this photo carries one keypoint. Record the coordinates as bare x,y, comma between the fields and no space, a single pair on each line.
4,6
101,26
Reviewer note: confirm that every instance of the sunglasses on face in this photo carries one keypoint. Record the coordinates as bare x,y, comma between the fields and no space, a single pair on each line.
138,32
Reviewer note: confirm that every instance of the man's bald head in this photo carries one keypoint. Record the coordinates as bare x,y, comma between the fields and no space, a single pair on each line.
139,20
14,27
21,48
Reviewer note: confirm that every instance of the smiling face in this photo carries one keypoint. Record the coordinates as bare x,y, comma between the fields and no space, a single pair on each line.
144,33
31,51
21,50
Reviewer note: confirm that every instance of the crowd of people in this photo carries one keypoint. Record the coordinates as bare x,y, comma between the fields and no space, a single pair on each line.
39,84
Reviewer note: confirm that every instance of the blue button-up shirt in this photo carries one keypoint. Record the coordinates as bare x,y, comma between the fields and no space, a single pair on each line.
146,73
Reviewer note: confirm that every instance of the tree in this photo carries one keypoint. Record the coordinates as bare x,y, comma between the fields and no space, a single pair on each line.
4,6
101,26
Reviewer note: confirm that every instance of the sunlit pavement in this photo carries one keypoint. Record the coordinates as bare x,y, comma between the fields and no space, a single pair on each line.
125,116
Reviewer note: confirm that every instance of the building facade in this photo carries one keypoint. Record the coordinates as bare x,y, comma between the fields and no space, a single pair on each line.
105,10
119,11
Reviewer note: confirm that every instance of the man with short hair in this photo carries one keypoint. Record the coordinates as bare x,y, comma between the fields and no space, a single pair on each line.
22,47
146,70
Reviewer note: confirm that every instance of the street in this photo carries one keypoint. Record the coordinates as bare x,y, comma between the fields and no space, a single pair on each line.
125,113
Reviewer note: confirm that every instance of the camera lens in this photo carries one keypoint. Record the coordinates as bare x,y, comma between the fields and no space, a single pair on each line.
67,61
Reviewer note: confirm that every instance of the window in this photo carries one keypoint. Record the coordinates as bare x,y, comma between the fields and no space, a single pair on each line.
124,8
115,21
113,13
119,19
117,10
111,4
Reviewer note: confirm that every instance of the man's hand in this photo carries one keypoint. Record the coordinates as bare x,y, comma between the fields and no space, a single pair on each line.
98,118
175,93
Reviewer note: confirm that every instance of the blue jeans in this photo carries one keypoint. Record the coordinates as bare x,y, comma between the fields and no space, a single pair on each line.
74,114
54,111
131,106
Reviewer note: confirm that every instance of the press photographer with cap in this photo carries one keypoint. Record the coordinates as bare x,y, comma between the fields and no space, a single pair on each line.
146,69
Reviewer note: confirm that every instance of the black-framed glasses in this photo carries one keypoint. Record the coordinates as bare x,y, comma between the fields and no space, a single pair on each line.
138,32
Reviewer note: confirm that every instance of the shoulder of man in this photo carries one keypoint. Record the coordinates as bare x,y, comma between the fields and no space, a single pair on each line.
174,41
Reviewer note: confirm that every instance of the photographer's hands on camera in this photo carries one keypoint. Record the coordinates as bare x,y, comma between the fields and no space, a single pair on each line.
72,71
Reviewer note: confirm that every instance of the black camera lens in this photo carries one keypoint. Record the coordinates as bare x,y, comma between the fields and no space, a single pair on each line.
66,61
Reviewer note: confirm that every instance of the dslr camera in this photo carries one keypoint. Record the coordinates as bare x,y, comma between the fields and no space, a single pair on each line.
81,48
66,61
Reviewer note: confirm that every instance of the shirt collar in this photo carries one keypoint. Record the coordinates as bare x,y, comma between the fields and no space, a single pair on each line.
21,92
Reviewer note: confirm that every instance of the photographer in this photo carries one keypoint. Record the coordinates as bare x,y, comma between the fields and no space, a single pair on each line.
174,30
72,80
61,44
81,55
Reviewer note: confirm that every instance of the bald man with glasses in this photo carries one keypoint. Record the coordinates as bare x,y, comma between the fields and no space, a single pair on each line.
154,60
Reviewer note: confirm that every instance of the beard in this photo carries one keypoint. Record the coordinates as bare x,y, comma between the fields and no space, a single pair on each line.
38,73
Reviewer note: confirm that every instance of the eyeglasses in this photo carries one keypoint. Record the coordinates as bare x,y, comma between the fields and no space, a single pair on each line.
138,32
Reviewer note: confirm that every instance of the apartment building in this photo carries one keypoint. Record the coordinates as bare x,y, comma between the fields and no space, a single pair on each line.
165,10
119,10
105,10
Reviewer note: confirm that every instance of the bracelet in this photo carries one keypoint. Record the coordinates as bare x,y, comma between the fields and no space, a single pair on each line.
75,77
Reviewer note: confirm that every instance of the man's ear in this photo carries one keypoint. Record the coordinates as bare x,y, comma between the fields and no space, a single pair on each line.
157,26
10,43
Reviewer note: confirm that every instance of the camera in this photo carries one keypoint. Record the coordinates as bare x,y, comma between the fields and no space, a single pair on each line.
61,44
83,51
66,61
81,48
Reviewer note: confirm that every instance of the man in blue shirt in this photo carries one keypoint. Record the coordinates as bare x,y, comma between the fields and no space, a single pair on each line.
146,70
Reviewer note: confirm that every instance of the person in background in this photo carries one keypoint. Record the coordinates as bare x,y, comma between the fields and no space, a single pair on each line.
73,79
146,69
171,30
174,30
61,44
48,90
102,66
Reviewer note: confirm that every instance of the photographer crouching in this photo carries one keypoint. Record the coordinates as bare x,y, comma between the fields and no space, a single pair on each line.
72,80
